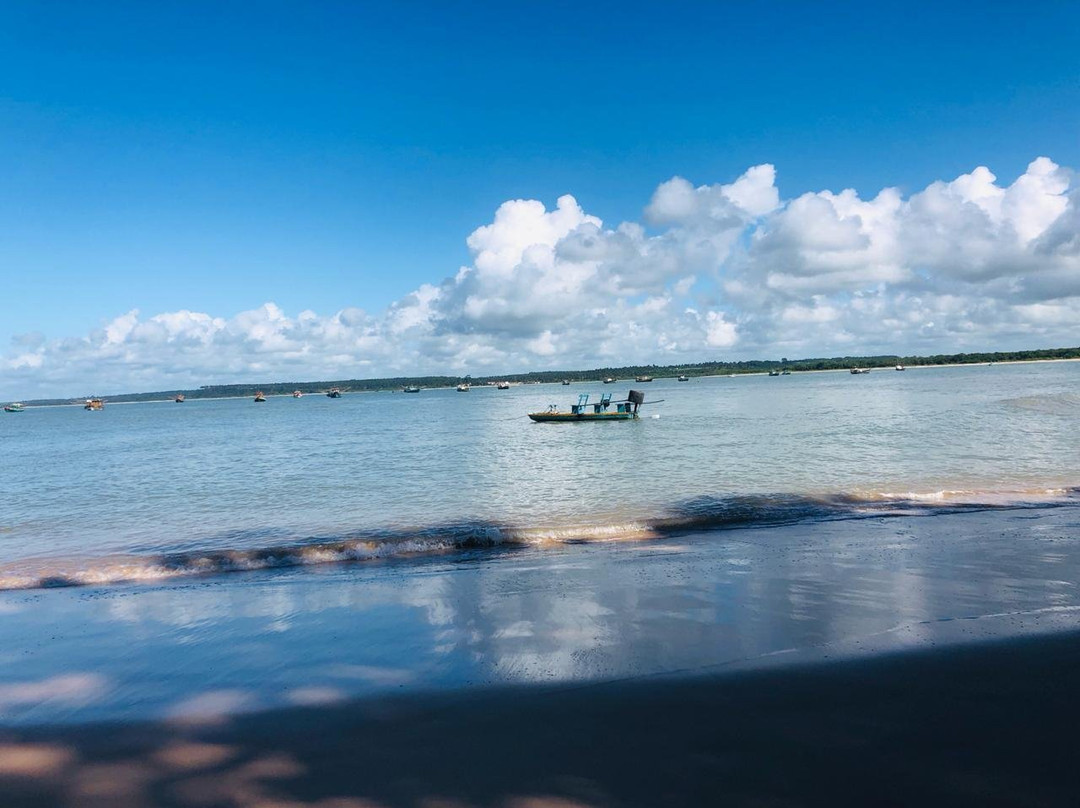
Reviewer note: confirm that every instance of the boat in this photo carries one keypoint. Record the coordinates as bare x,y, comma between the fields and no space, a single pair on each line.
565,382
463,388
14,407
684,378
643,378
260,397
410,388
333,392
901,367
856,371
774,372
601,411
502,386
297,394
179,399
94,404
785,372
609,380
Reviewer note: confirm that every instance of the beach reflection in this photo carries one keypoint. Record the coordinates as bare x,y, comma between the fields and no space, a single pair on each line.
574,614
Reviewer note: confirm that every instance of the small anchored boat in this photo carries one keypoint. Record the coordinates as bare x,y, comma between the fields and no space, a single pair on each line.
774,372
260,397
609,380
463,388
94,404
502,386
333,392
410,388
297,394
643,378
684,378
857,371
179,398
604,410
566,382
901,367
14,407
785,372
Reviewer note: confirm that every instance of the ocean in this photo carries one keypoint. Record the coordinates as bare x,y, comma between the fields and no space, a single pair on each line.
162,490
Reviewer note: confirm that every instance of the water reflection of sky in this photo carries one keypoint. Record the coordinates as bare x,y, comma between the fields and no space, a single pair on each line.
239,642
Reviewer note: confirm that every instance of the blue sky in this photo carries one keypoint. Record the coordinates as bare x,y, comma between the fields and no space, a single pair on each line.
326,156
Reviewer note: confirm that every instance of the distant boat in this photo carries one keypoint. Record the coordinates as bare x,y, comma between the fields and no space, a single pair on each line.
900,367
566,381
179,399
609,380
785,372
259,397
502,386
14,407
333,392
857,371
684,378
94,404
602,411
297,394
463,388
774,372
643,378
410,388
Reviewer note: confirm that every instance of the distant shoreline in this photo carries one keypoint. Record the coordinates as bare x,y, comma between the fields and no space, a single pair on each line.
596,375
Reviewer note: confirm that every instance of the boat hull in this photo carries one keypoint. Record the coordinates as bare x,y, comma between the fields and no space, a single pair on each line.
567,417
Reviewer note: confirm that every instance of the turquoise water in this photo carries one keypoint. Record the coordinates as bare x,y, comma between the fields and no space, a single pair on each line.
163,489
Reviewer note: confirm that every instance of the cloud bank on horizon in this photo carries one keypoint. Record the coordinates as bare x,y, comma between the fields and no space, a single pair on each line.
716,271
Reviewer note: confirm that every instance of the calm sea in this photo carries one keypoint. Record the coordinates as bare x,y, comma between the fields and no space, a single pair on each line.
146,491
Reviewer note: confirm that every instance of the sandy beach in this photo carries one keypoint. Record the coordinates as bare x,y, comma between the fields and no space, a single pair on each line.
981,725
891,660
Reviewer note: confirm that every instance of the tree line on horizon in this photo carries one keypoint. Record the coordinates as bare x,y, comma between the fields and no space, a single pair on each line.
714,368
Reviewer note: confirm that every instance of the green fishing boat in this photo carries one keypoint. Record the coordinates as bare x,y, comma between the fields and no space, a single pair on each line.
604,410
16,407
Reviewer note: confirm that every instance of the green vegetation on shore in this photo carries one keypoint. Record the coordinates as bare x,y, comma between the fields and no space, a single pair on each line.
714,368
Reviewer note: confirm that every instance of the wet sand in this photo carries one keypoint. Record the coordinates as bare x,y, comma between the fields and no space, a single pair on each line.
987,724
905,660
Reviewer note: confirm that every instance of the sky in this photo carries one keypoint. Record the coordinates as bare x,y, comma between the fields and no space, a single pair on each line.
198,193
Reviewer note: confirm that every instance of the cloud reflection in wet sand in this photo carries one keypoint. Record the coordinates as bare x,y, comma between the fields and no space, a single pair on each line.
582,613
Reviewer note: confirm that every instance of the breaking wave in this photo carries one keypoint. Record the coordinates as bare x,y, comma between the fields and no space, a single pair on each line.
702,513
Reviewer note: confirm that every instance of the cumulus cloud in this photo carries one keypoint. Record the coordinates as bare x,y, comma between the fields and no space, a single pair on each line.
727,270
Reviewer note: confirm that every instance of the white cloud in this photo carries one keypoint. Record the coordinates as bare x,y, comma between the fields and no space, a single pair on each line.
723,270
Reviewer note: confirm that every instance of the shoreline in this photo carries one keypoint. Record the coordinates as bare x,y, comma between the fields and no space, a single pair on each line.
809,511
898,661
479,386
686,604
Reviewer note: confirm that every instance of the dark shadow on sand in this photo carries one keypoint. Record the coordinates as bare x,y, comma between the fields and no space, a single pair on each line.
978,725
